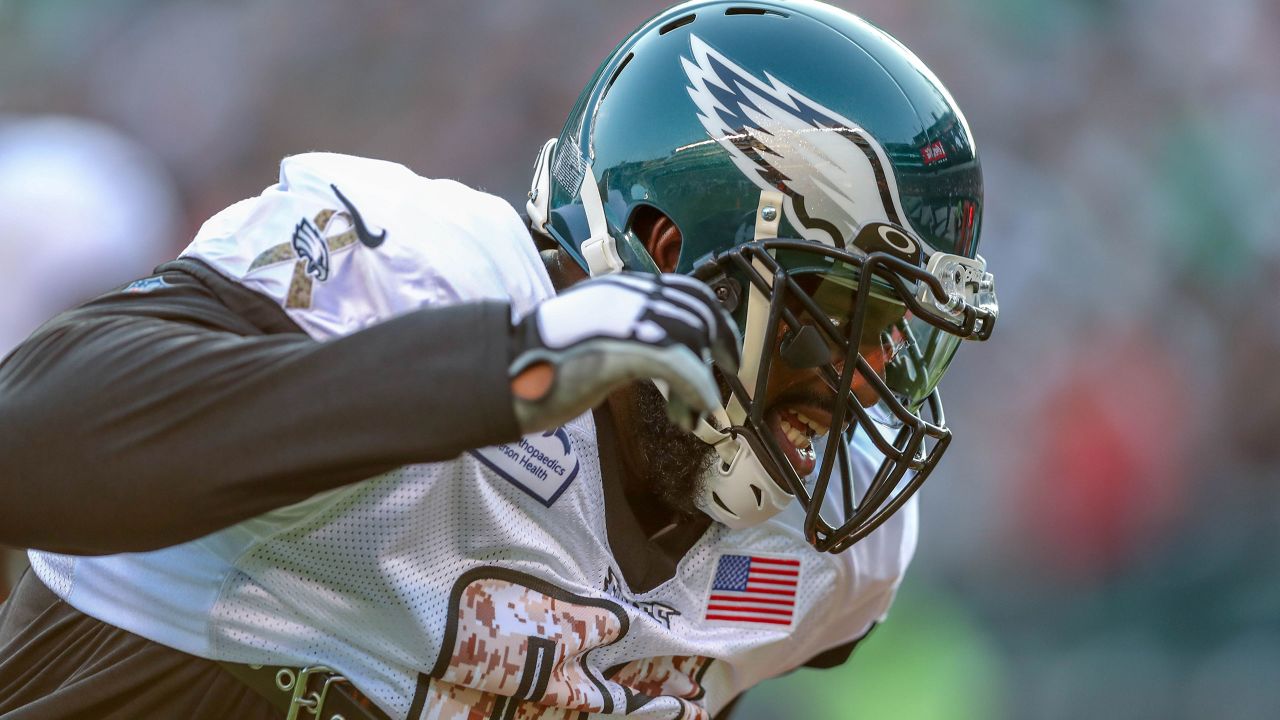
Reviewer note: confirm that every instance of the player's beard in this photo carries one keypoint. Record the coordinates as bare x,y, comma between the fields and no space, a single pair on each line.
674,463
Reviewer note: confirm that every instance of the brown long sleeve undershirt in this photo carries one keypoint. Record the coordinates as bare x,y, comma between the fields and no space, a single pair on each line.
141,420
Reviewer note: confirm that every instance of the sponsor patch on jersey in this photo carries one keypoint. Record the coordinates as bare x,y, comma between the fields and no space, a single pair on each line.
541,465
757,590
146,285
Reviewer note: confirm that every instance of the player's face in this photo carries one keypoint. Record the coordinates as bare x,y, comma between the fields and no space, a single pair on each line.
800,401
674,462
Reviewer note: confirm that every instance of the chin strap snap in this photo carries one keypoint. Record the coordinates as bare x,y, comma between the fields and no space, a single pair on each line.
540,190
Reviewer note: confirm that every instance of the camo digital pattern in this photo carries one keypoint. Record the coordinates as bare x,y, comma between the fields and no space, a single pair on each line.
675,676
519,650
451,702
679,677
517,641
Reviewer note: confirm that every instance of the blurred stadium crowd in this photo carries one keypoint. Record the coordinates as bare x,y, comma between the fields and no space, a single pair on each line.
1100,541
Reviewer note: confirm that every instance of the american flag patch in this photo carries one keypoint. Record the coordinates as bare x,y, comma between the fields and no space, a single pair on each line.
754,589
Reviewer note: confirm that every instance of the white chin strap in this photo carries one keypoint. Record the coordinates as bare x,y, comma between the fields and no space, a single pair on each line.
600,250
738,491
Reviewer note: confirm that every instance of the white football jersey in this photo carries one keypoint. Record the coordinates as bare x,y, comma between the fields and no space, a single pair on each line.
484,586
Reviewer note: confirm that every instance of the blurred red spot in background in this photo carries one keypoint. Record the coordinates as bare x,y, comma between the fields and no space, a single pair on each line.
1108,474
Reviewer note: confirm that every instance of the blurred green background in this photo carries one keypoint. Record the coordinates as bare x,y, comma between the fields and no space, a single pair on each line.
1100,541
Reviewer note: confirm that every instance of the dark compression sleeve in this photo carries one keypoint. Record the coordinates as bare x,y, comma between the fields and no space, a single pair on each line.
141,420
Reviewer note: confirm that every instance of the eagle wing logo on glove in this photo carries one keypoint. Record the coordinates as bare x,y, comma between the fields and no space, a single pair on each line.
836,177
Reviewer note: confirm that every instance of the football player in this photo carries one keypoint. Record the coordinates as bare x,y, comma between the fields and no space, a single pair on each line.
377,446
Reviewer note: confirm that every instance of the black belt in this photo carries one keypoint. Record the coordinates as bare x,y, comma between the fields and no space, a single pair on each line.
315,689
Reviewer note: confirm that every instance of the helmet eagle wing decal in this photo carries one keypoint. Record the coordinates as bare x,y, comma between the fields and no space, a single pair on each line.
835,176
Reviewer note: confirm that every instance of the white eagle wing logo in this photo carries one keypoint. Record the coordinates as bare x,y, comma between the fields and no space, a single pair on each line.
311,247
836,177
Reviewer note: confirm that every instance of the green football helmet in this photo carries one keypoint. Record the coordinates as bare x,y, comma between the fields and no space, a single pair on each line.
827,187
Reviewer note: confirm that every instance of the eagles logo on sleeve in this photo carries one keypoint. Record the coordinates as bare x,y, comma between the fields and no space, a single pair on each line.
315,241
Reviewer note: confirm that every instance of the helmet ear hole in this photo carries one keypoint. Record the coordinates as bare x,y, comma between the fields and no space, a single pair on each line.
659,236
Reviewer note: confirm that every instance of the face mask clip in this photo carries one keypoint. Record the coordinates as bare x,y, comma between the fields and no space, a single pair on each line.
966,284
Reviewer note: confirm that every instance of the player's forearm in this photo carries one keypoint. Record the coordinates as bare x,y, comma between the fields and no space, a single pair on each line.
122,436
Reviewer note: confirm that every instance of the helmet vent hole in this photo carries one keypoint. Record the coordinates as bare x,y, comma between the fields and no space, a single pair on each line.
614,78
678,22
715,497
754,11
759,495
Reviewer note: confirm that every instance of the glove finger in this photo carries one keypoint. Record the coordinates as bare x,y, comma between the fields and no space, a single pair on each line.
681,322
690,285
727,343
690,381
677,300
679,412
681,415
721,329
696,299
727,357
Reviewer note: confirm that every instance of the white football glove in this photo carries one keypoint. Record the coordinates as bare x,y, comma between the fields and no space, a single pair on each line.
606,332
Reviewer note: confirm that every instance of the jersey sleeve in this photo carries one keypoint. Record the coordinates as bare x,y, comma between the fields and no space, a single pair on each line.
342,243
352,318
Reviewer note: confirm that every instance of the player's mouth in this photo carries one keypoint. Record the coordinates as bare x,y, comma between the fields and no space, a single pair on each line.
794,429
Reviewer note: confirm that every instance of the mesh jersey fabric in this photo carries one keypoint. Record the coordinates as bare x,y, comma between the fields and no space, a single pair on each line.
484,584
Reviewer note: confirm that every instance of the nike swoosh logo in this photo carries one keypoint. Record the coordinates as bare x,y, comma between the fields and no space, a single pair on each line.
367,238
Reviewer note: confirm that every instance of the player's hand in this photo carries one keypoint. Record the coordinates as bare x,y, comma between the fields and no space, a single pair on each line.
576,348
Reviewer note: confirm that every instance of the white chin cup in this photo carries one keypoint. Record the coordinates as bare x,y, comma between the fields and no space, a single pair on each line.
740,493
